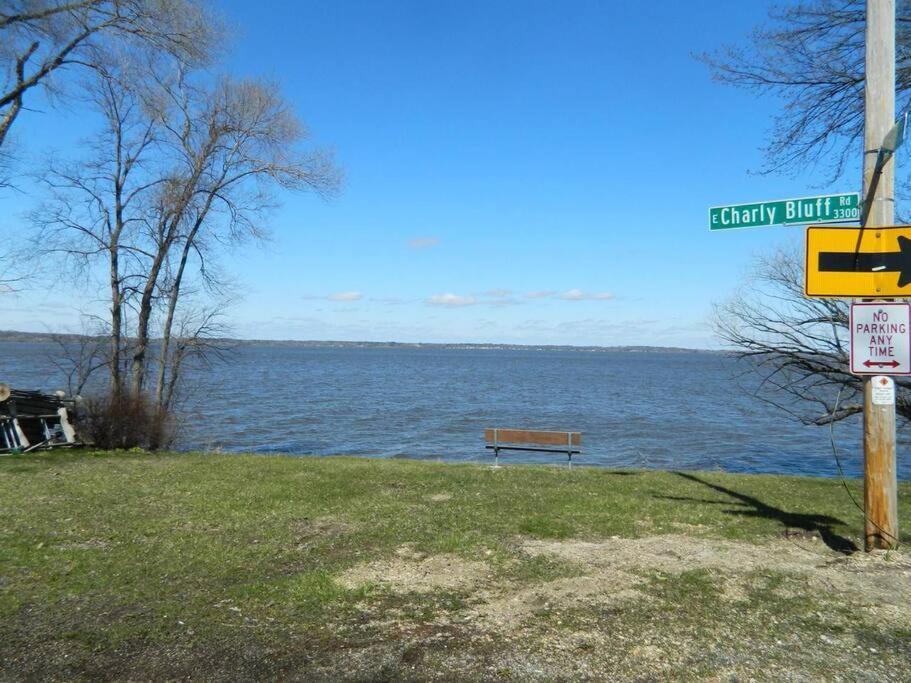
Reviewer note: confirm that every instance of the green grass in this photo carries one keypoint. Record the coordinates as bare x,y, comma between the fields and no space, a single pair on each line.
199,565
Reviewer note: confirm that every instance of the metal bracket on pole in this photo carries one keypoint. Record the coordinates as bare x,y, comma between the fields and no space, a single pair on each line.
893,140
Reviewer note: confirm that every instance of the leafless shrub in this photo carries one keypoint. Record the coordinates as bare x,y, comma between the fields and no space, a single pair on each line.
121,421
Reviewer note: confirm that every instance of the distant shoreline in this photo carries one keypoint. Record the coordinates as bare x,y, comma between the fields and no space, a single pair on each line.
16,336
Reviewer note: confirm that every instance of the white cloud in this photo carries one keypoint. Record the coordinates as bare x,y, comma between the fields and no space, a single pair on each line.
423,242
345,296
579,295
451,300
498,293
336,296
574,294
498,298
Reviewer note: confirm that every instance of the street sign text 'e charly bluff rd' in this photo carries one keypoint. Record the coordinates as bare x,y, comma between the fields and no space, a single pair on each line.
830,208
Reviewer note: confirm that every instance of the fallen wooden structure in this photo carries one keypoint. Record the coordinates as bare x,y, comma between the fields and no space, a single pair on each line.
532,440
32,420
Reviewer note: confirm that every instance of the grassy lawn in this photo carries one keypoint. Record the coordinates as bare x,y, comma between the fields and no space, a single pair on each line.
235,567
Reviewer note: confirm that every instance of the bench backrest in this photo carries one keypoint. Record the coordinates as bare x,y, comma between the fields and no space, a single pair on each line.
532,436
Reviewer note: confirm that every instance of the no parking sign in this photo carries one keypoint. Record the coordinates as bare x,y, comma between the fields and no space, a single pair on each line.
880,338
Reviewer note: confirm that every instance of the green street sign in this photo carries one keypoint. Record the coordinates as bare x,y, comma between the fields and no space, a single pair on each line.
827,208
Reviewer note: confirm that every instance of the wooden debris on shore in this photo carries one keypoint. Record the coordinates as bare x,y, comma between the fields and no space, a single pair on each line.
31,420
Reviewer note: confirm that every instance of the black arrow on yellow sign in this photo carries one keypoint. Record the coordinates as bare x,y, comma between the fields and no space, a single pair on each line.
870,262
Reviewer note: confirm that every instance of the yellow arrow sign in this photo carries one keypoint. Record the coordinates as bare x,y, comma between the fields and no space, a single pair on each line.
859,262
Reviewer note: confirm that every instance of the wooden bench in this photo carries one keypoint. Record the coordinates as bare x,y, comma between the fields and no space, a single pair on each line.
533,440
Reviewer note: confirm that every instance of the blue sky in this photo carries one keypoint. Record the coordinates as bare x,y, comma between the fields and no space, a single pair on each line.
530,172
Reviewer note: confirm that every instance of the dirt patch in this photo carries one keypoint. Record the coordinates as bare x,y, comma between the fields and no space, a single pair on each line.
675,554
439,497
736,588
308,530
409,572
608,617
611,572
879,579
508,609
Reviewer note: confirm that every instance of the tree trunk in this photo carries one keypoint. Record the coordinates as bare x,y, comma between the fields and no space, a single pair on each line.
139,362
116,322
177,210
169,322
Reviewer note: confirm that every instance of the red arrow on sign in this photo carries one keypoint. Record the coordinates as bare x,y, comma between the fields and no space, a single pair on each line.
882,364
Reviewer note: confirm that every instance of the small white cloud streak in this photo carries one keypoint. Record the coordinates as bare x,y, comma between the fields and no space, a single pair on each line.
423,242
450,300
508,301
498,293
574,294
346,296
579,295
337,296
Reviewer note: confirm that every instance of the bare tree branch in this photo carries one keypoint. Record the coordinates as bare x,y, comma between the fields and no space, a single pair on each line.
797,345
810,56
40,38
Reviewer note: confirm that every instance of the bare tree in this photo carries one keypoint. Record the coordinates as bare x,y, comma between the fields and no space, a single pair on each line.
184,167
179,173
97,205
233,145
42,41
798,345
39,39
810,56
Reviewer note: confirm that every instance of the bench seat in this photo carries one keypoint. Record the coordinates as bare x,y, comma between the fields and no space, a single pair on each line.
536,440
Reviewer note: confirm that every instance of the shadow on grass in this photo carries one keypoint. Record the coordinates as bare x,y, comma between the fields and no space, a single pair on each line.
753,507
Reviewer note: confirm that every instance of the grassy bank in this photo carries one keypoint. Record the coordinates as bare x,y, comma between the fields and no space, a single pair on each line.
137,566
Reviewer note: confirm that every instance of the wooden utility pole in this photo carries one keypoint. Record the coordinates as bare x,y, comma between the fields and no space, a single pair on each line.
880,488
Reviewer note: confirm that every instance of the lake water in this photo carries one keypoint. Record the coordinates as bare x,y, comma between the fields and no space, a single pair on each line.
656,410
